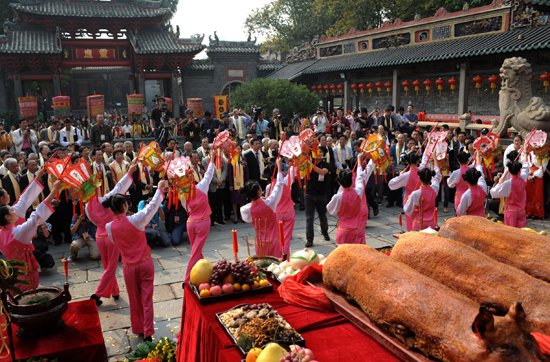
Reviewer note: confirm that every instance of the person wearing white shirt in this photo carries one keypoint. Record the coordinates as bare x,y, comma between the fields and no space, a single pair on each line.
320,122
514,190
69,135
24,139
472,201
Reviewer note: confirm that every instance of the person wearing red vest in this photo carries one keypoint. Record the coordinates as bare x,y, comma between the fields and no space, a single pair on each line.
198,219
260,213
409,181
420,205
456,178
99,212
472,201
128,234
285,208
514,191
16,233
344,205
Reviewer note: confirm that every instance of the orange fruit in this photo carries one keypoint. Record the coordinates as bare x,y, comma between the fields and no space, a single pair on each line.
256,285
204,293
237,287
253,354
264,283
245,287
228,279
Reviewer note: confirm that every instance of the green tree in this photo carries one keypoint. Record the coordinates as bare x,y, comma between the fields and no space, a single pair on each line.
407,9
289,97
287,23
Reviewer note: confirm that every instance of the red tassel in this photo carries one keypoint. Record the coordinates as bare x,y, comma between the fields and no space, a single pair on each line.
401,219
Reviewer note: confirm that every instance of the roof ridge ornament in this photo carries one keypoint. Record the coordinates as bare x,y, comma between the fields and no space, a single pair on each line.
214,42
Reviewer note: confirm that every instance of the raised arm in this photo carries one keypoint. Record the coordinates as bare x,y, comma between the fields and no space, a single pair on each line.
501,189
436,180
143,217
334,205
123,184
273,199
412,201
481,181
465,203
29,195
205,182
453,179
399,181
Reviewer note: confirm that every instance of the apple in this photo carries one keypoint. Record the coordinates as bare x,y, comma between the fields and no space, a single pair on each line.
227,288
204,286
216,291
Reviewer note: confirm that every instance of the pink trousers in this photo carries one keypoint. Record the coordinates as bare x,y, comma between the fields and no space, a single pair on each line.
409,222
515,218
198,233
139,281
32,277
108,285
361,233
347,236
288,219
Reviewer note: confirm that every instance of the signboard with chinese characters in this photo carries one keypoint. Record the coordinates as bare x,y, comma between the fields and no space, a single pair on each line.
80,54
95,53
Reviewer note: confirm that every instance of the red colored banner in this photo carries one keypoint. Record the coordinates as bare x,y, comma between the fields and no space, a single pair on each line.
95,53
135,103
61,105
95,105
28,107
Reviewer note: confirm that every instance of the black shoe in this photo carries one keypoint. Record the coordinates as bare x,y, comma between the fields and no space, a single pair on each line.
375,211
327,237
309,244
116,297
302,207
148,339
97,299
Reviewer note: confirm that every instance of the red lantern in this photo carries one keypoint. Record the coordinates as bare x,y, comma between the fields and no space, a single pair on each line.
493,80
545,77
406,85
478,79
379,85
326,87
362,87
452,84
388,86
320,88
340,88
370,86
428,85
354,88
439,82
332,88
416,84
313,88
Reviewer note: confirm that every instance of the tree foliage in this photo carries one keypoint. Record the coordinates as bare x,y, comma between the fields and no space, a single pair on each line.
290,23
289,97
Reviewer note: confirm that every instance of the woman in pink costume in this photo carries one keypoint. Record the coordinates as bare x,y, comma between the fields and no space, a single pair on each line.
261,213
409,180
456,178
420,205
285,208
361,236
344,205
514,191
472,201
128,234
99,212
198,219
16,233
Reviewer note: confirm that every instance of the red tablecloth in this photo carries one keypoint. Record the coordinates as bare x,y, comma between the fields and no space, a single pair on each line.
329,335
80,340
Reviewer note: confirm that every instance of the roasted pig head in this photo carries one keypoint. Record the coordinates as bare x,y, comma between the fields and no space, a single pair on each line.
505,338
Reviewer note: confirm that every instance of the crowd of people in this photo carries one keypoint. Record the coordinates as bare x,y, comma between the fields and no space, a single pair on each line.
342,181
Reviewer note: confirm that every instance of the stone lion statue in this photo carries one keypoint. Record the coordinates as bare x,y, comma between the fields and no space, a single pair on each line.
517,108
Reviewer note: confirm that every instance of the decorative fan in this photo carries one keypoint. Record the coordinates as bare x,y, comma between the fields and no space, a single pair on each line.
309,142
224,143
484,145
375,147
437,144
180,174
151,155
291,148
55,167
537,139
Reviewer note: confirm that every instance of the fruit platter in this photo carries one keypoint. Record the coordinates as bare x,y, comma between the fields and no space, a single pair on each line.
226,280
274,352
297,261
255,325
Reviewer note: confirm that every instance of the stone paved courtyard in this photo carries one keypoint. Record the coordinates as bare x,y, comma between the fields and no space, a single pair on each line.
171,262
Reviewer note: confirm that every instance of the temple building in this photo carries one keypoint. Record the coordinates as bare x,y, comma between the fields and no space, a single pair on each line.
80,48
447,64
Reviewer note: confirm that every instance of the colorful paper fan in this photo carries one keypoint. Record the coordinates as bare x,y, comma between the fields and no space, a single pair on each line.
537,139
484,144
177,167
291,148
151,155
375,147
180,174
224,143
437,144
55,167
308,141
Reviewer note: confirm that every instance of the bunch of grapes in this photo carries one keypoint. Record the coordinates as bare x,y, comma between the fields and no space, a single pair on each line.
298,354
242,273
220,270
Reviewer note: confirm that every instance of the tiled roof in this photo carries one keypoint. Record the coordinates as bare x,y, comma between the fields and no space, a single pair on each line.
482,45
200,64
266,66
91,9
30,42
233,47
292,70
162,42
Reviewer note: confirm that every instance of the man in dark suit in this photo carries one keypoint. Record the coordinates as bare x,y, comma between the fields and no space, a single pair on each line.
11,182
255,163
396,150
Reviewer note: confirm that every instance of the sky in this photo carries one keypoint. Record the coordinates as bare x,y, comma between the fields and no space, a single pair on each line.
224,16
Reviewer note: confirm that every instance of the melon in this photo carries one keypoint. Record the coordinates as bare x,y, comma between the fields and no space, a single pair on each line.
201,272
303,258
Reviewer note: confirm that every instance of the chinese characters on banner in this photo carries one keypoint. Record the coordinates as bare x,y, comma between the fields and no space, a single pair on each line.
221,104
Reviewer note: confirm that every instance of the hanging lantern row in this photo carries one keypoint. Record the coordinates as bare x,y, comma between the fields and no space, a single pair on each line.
328,88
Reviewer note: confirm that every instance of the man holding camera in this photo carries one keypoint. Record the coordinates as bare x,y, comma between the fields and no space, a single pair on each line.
24,138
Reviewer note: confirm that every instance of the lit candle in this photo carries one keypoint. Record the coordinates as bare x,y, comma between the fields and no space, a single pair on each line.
66,265
281,237
235,244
